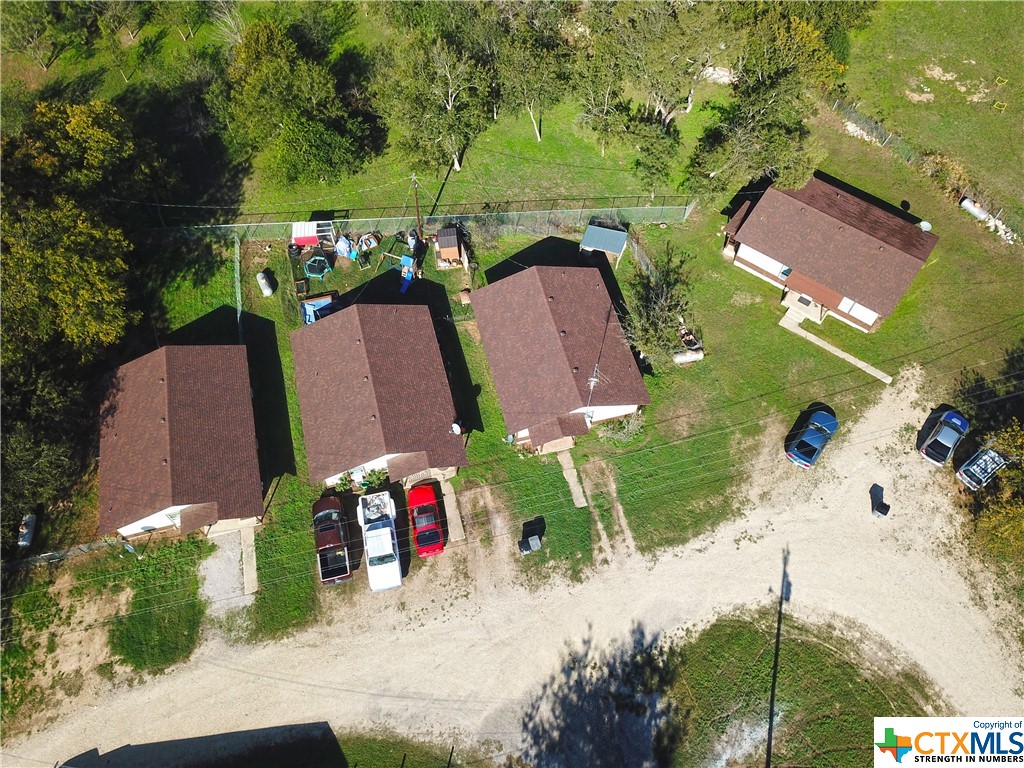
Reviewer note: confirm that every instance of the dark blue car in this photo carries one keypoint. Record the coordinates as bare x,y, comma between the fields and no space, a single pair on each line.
804,449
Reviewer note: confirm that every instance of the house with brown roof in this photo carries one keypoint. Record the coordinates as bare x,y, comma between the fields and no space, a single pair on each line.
831,252
178,444
557,353
374,394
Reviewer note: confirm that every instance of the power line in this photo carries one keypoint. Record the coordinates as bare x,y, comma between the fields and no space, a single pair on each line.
702,479
703,459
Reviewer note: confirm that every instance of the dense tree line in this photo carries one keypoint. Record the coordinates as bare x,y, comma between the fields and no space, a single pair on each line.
280,88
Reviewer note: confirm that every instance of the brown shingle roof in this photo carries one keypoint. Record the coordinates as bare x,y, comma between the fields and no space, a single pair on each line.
543,330
180,432
851,246
371,382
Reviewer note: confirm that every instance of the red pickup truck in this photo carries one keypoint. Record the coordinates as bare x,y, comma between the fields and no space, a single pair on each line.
331,532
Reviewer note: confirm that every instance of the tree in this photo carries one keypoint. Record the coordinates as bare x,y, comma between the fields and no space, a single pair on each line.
660,302
41,31
122,57
71,149
308,151
597,84
531,73
184,16
35,468
267,80
228,22
75,293
431,97
666,48
112,15
656,149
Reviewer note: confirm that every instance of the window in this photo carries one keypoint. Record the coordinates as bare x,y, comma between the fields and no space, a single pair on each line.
786,272
845,305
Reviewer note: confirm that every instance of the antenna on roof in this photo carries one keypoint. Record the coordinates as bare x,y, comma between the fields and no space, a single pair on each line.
592,381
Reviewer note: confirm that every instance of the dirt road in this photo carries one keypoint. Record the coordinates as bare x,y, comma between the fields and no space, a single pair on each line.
462,648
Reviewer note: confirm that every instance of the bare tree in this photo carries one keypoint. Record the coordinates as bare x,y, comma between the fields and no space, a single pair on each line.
227,21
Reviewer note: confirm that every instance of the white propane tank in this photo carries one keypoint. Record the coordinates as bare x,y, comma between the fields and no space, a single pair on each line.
974,209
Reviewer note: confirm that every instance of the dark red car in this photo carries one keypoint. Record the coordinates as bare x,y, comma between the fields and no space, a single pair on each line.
426,521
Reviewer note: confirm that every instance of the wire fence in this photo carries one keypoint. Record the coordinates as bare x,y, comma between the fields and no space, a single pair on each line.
863,127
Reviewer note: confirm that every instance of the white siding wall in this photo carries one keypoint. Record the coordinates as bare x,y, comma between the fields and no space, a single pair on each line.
379,463
165,518
600,413
759,260
863,314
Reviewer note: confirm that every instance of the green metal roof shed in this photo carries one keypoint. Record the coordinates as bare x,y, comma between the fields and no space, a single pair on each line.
611,241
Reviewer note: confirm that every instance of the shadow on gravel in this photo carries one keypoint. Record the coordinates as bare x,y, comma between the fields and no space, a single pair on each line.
310,745
605,708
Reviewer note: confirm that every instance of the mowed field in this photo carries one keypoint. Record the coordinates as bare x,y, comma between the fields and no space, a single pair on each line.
934,72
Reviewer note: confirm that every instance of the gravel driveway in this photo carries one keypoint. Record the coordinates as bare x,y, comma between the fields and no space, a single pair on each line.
462,649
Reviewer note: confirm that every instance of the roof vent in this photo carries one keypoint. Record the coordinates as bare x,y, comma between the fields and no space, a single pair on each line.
359,341
881,247
373,417
160,380
551,298
366,378
575,369
163,420
164,461
803,210
840,227
561,333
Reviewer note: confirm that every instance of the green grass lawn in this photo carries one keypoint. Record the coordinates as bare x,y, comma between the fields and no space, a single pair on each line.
956,50
681,476
504,163
826,696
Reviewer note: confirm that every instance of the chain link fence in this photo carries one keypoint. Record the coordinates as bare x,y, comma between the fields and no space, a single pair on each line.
486,226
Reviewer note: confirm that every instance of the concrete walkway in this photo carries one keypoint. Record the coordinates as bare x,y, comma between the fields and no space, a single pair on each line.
228,576
791,322
573,479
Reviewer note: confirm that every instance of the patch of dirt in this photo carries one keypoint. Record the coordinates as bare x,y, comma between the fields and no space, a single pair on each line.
744,299
678,419
472,330
936,73
603,473
979,95
919,98
68,673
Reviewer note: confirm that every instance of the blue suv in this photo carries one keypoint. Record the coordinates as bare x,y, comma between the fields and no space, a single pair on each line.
805,448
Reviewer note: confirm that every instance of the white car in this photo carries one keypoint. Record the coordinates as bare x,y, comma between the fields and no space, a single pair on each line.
376,514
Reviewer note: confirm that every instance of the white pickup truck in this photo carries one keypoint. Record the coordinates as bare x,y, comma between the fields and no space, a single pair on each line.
376,515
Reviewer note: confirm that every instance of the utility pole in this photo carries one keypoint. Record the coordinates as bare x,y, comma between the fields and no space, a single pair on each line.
784,592
416,197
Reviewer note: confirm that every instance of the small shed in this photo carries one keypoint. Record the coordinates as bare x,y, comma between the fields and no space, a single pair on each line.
450,249
611,241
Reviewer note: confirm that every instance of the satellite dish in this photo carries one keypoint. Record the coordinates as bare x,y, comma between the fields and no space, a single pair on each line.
925,226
